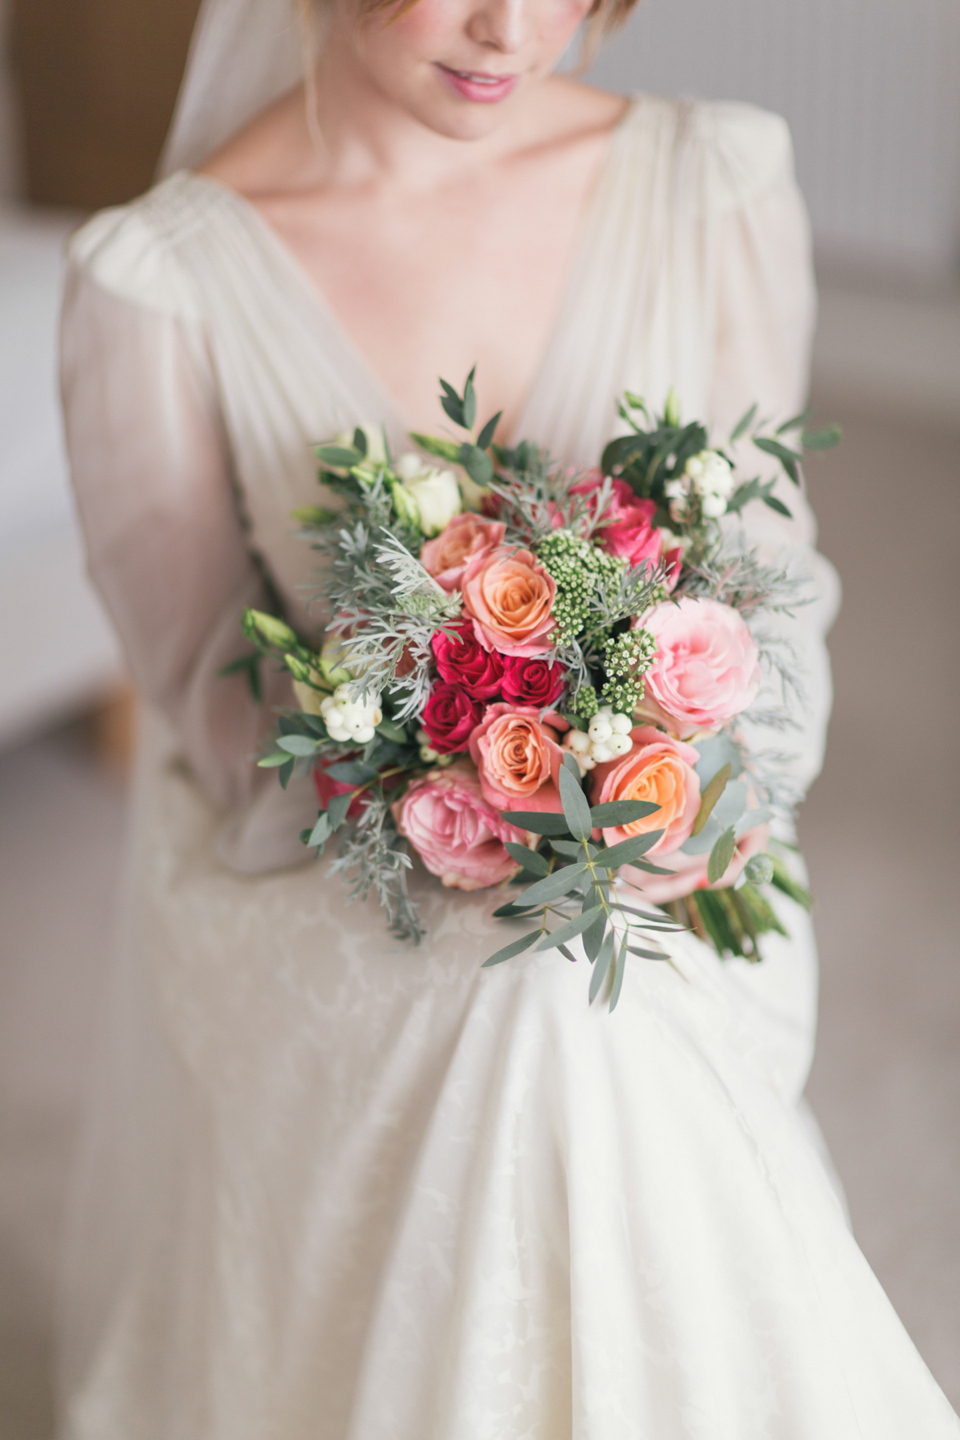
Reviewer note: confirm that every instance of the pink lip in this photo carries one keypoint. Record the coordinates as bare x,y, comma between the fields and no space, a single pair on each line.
485,91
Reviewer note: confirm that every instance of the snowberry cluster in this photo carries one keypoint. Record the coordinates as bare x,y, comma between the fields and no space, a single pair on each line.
708,478
607,738
348,719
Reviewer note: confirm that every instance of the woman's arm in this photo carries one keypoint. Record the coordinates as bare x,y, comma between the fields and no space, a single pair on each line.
166,548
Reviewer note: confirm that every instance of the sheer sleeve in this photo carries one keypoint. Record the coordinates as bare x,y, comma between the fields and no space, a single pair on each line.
765,317
165,543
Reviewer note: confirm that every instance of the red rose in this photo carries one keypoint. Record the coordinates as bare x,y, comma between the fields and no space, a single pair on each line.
326,788
531,682
450,717
463,661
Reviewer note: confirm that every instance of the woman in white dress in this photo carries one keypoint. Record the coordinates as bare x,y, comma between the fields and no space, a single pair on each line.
335,1189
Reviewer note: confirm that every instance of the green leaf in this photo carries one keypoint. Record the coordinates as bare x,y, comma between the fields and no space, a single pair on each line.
434,445
311,517
485,438
621,812
320,832
285,773
822,439
648,954
789,459
575,808
619,970
297,745
351,772
744,423
540,822
573,927
454,408
513,912
721,855
360,442
516,947
628,850
759,869
469,401
796,423
391,731
338,457
573,849
711,795
274,761
567,954
337,810
602,964
477,464
777,505
531,860
650,869
593,938
561,882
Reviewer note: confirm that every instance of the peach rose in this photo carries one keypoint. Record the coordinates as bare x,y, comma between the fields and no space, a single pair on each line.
464,539
706,669
690,871
510,599
660,770
518,758
453,829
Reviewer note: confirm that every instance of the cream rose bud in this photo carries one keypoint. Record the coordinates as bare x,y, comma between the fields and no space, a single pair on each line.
308,699
436,492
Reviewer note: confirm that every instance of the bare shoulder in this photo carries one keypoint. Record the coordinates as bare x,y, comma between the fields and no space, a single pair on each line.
573,113
273,152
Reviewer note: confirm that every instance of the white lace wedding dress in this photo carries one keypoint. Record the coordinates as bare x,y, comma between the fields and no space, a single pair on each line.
338,1190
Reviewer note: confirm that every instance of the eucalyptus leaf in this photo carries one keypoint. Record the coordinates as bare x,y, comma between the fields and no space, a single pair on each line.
297,745
721,855
628,850
822,439
351,772
774,504
716,751
285,773
477,464
321,831
454,408
648,954
485,438
561,882
619,970
516,947
540,822
573,849
469,402
531,860
513,912
338,457
796,423
602,964
711,795
621,812
744,423
274,761
337,810
573,927
576,811
391,731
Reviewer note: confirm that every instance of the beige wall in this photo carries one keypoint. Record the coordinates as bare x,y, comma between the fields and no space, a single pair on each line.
97,81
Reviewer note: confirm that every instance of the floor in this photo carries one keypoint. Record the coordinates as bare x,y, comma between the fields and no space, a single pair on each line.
880,829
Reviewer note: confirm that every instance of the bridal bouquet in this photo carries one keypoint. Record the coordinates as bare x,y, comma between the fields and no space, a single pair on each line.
536,678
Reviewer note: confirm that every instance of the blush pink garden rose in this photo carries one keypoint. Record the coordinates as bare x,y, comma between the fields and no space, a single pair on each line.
659,770
706,670
456,833
518,758
465,538
510,599
690,871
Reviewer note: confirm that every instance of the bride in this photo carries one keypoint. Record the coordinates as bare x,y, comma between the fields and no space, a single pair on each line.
331,1188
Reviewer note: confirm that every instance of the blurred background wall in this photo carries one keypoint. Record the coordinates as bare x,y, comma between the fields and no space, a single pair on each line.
872,91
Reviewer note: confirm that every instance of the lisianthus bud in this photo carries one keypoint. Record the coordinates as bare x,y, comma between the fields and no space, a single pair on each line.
269,628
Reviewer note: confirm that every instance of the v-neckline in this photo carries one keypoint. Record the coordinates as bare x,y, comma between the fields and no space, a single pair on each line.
268,239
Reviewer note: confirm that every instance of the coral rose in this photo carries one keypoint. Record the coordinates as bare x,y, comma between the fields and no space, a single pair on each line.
690,871
464,539
706,670
532,682
449,717
660,770
518,757
510,599
462,660
453,829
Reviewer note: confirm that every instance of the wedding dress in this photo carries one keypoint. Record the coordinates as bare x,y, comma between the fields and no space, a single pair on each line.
343,1190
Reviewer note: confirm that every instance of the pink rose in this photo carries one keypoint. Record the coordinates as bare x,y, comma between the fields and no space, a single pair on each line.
462,660
706,670
518,758
660,770
456,833
532,682
632,536
466,537
510,599
690,871
449,717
